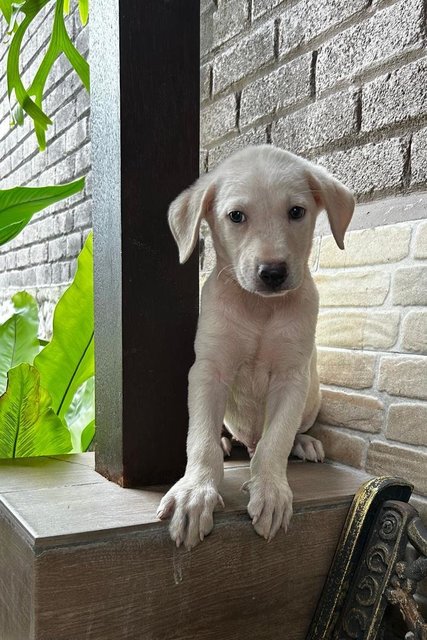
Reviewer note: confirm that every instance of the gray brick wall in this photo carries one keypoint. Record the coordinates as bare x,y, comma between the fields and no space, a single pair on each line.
41,259
345,85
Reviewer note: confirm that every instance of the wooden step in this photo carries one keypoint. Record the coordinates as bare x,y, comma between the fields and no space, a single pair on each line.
81,557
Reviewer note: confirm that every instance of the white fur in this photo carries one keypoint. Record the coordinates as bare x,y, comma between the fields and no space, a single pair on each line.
255,368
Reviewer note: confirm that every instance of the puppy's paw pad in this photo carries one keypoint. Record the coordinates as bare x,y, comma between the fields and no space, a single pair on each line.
308,448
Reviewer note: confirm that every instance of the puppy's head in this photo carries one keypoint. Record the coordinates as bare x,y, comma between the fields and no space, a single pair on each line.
261,205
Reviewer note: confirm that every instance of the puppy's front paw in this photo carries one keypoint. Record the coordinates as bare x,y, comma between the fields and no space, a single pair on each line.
308,448
270,505
192,505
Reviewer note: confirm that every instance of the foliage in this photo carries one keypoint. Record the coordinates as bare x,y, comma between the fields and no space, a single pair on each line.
29,426
80,416
19,16
46,389
18,336
18,205
48,405
68,360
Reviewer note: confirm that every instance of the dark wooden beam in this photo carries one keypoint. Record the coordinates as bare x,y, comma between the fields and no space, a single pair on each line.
145,150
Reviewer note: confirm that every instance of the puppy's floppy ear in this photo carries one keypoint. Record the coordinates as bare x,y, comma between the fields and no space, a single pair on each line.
330,194
186,212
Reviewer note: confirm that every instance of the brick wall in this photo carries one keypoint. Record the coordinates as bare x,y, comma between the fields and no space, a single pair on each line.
344,84
41,259
372,334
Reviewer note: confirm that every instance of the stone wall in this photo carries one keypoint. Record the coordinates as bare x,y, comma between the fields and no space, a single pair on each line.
345,85
42,258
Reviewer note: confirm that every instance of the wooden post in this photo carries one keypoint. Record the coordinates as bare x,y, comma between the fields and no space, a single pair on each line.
144,57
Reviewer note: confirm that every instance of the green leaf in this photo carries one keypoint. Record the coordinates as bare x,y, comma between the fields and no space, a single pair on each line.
10,231
18,115
15,14
15,86
30,100
6,9
28,425
19,204
68,360
77,61
88,435
18,336
84,11
11,11
81,413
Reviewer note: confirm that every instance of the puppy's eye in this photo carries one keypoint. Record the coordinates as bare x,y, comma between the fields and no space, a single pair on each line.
296,213
237,216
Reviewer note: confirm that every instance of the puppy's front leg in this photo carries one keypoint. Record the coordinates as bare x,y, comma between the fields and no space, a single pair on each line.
270,504
193,499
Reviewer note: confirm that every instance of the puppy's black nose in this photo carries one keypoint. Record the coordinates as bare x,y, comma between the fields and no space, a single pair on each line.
273,274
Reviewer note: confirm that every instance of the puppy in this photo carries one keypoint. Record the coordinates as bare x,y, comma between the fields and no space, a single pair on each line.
255,367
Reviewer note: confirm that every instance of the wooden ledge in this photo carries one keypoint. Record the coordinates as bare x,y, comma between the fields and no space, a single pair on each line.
81,557
63,500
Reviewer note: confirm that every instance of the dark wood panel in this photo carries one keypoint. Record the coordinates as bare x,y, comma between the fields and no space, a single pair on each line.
232,586
145,145
16,587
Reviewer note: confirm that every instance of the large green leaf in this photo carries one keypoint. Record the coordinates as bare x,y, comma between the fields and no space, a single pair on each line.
19,204
80,417
18,336
68,360
28,425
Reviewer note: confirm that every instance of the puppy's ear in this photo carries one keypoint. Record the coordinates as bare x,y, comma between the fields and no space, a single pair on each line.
330,194
186,212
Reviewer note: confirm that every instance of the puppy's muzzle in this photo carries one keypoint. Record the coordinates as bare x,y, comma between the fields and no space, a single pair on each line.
273,274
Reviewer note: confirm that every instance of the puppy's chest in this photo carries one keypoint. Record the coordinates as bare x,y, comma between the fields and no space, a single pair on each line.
266,349
253,377
245,413
261,369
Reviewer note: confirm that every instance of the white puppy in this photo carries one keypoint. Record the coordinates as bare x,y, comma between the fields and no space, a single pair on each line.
255,367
